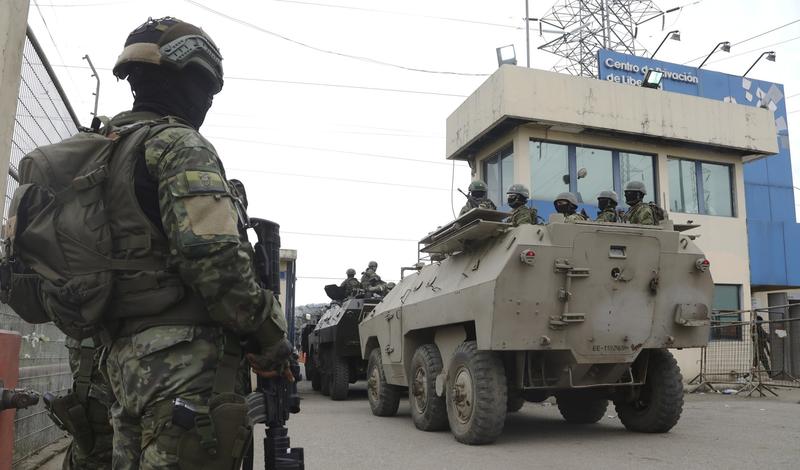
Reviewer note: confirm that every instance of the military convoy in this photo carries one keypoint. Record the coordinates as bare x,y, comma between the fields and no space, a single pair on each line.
332,347
580,311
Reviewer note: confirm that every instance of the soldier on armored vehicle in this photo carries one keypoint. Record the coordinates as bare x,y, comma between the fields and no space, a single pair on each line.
516,313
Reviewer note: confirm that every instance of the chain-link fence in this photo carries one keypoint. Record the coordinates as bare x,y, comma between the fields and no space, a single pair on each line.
756,355
43,116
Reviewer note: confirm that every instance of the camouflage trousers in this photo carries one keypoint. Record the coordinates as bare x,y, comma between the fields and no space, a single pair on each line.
99,402
147,372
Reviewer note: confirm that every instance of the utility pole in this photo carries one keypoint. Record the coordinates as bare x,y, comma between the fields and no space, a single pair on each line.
527,36
13,24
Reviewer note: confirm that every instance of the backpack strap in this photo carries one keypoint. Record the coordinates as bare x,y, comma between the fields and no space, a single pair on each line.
228,368
83,379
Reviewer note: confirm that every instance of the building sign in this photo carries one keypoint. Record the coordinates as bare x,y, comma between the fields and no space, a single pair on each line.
670,73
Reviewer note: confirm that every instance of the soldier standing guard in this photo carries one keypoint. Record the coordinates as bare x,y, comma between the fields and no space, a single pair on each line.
566,204
607,203
477,198
517,198
176,346
639,211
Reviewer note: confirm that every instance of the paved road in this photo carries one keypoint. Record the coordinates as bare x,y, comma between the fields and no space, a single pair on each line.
715,431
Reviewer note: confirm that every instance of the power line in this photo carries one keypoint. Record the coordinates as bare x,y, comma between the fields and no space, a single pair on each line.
323,149
728,57
358,237
334,178
326,131
751,38
328,51
389,12
306,83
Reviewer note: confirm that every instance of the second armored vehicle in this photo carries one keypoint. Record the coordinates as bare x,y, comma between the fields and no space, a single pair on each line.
581,311
334,356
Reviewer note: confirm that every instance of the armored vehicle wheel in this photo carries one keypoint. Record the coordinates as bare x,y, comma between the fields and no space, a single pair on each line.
581,408
476,395
339,377
428,410
384,398
324,381
660,400
312,373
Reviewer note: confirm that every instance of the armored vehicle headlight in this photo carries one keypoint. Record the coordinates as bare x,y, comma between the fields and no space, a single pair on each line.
528,257
702,264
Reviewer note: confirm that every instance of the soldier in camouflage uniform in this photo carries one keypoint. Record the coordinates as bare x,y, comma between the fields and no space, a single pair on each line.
351,284
477,198
517,198
607,203
94,392
181,340
639,212
371,282
567,205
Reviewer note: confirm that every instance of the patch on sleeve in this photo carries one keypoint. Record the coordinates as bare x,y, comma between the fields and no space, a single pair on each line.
199,182
210,215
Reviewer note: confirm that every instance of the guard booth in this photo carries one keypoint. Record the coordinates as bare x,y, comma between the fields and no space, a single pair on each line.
554,133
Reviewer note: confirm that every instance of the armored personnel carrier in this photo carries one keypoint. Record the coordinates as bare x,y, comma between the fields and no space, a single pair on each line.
582,311
334,354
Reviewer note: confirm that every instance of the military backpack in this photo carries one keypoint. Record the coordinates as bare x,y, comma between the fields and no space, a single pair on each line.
57,263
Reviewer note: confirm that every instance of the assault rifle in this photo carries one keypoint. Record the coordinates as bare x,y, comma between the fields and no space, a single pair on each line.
472,200
274,399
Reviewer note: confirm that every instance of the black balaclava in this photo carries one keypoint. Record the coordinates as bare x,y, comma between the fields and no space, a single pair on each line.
478,194
564,207
603,203
182,93
633,197
515,200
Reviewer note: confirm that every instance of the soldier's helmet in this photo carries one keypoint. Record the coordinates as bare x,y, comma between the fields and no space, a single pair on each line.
477,185
569,197
373,265
351,272
519,190
172,43
612,195
636,186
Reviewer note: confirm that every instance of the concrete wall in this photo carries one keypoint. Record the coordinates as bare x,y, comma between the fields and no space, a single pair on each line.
585,103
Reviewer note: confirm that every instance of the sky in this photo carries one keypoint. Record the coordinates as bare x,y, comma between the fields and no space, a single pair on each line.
333,135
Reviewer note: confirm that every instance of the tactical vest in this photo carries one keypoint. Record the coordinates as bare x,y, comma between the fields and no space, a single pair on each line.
79,249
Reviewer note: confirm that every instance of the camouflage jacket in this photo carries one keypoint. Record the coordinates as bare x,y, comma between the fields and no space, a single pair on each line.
523,215
199,220
484,203
370,278
574,217
607,215
349,285
640,213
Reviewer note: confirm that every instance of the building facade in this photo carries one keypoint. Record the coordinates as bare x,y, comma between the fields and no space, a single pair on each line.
555,133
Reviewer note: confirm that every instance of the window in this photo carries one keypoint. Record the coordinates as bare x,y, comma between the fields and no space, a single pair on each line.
726,299
700,187
586,171
498,172
594,172
549,170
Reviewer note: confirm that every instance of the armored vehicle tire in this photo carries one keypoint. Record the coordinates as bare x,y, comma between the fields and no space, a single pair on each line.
312,374
660,401
581,408
339,377
316,381
324,384
384,398
476,395
428,410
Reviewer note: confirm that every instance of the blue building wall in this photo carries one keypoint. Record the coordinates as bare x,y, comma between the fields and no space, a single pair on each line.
769,195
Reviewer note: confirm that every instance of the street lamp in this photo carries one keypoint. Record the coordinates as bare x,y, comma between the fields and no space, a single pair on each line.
770,57
726,47
674,35
506,55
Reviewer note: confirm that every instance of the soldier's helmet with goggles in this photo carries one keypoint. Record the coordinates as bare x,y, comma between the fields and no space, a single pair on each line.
519,190
172,43
569,197
636,186
373,265
478,186
611,195
351,272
